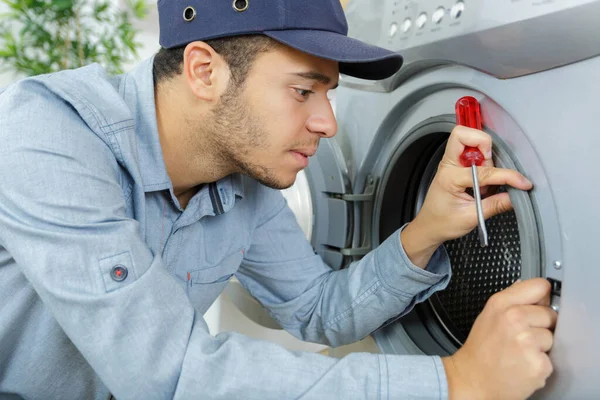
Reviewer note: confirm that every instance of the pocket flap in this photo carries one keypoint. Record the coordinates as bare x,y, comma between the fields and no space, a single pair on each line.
221,271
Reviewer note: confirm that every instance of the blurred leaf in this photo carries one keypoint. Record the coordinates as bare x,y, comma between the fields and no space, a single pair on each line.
41,36
61,5
140,9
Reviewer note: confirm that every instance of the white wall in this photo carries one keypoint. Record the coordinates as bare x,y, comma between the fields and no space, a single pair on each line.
6,79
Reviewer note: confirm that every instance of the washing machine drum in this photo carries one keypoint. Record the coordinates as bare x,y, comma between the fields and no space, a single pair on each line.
478,272
442,324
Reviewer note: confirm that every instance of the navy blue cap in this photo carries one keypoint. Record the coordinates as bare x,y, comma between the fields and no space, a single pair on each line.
316,27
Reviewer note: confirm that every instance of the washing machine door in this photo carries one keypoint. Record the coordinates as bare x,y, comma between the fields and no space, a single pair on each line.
321,202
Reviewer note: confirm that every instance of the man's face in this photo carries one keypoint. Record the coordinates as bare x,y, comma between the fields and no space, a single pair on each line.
269,127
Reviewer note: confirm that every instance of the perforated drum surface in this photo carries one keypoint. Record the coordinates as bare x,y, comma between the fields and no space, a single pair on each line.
478,272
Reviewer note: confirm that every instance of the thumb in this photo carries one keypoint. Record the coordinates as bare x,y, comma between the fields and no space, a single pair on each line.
531,291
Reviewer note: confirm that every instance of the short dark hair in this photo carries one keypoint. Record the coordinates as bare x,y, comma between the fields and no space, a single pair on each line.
238,51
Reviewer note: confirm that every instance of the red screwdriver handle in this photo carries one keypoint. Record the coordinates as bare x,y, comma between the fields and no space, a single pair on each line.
468,114
471,156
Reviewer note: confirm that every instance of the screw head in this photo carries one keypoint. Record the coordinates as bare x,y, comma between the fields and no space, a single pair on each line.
557,264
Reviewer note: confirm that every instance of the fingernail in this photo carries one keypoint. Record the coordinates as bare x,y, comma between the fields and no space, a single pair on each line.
527,181
488,154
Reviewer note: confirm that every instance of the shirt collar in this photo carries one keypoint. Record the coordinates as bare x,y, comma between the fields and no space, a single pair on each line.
137,89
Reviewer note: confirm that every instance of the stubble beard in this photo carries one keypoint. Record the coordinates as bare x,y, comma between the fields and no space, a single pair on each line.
234,132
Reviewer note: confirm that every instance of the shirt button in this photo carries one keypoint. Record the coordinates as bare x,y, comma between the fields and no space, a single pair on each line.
118,273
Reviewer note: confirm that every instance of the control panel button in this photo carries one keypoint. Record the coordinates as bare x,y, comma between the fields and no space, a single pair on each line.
406,24
393,29
438,15
421,19
457,9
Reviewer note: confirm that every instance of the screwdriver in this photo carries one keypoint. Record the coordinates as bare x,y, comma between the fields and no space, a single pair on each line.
469,115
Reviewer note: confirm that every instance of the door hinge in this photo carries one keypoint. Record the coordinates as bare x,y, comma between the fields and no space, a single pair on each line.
367,198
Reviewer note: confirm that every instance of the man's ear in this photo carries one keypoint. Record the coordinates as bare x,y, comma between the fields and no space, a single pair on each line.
206,72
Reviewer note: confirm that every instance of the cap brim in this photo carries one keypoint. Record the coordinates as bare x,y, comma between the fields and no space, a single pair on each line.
355,58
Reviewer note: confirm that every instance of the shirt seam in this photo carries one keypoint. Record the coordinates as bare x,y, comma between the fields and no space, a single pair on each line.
355,303
156,186
98,117
387,381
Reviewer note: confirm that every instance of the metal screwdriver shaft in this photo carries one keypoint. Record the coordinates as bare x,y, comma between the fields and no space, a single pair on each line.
469,115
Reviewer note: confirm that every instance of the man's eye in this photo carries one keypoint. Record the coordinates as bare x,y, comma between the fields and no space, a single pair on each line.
304,93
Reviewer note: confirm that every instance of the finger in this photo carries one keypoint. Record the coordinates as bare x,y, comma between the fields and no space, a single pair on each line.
539,316
487,176
546,300
543,338
530,291
540,366
496,204
462,136
488,162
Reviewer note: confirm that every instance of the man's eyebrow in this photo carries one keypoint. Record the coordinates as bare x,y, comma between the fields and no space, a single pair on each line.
317,76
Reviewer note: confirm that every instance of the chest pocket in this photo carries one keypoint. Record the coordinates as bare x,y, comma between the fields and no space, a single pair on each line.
206,284
220,272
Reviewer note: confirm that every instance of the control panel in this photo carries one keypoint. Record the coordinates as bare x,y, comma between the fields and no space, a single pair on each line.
507,32
408,23
408,19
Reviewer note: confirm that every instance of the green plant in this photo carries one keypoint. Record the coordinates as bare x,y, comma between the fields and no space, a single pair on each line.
42,36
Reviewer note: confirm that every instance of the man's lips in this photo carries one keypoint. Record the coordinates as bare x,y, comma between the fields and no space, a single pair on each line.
306,152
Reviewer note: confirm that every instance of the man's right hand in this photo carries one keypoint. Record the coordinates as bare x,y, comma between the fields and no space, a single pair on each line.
504,356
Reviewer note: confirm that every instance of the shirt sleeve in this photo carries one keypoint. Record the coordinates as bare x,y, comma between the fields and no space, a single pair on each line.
315,303
63,220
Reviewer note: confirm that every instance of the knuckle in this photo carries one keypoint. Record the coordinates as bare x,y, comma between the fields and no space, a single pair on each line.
525,339
542,368
496,302
488,139
538,368
548,367
515,316
457,131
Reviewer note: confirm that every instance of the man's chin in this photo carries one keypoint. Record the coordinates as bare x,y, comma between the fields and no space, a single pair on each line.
278,183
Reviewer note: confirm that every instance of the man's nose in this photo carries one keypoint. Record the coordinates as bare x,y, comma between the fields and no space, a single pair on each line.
322,121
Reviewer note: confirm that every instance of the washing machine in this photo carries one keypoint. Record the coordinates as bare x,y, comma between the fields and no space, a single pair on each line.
534,66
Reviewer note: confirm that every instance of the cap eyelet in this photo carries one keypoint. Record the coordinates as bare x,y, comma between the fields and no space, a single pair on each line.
189,14
240,5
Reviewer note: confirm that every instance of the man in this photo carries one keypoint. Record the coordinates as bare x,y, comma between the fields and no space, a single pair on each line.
127,203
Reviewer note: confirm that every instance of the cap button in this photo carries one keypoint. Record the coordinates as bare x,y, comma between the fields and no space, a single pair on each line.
118,273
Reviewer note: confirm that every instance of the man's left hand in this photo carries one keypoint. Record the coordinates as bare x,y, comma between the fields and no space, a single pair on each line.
449,212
